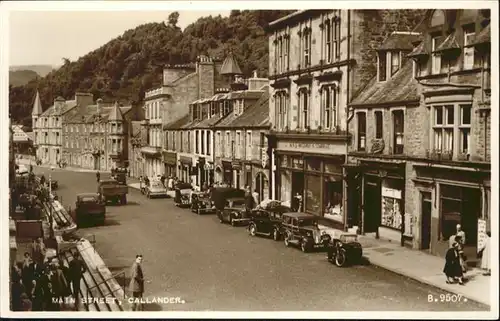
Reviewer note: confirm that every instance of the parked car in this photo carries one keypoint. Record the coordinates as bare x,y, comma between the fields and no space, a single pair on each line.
120,175
112,191
155,189
201,203
230,205
89,209
54,184
304,230
183,194
267,221
344,249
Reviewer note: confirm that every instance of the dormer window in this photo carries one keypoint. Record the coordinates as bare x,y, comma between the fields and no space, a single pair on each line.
395,62
212,109
382,64
436,57
469,34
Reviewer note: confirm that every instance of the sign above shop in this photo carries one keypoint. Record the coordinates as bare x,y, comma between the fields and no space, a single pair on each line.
312,147
481,233
390,192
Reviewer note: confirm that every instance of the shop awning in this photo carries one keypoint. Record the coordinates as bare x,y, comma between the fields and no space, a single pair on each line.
150,151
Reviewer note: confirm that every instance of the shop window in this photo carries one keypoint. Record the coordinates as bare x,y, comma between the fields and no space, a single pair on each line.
313,164
297,163
392,205
378,125
332,199
304,109
313,194
333,168
361,131
468,52
382,66
329,101
398,118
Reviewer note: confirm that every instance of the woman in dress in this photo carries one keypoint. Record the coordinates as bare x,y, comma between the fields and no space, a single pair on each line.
485,255
452,268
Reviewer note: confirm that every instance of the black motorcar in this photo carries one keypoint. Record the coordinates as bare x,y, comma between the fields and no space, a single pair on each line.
344,249
267,221
182,194
89,208
304,230
230,205
201,203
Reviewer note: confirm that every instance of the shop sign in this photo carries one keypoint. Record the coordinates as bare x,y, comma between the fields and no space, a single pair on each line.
209,166
186,160
263,157
481,233
390,192
170,158
312,147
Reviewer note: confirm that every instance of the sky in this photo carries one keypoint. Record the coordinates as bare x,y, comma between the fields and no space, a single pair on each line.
45,37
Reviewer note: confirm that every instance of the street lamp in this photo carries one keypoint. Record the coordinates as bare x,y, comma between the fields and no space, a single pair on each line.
51,218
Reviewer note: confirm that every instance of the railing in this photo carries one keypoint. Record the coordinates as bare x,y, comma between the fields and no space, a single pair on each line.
104,281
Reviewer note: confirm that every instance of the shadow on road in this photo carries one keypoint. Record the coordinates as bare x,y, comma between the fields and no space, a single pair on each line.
111,222
119,205
152,307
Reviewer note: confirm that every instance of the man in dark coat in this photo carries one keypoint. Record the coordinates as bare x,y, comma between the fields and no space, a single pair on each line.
76,270
59,283
38,251
136,285
452,268
98,176
162,179
27,273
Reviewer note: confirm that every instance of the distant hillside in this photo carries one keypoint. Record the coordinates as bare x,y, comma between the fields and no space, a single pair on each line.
41,70
21,77
127,66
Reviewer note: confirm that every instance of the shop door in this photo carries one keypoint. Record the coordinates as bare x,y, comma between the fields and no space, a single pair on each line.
298,184
426,207
471,211
353,199
372,206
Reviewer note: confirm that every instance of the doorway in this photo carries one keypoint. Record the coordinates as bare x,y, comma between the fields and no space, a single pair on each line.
353,199
372,205
426,212
298,184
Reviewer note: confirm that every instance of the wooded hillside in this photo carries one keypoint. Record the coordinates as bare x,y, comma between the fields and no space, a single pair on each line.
127,66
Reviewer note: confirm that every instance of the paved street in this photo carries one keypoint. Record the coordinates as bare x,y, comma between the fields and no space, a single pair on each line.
219,267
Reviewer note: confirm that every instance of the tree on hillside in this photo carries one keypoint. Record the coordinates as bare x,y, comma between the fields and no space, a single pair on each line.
173,19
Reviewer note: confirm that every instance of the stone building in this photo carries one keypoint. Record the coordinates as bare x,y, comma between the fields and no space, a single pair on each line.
48,126
318,61
95,135
137,138
420,160
182,84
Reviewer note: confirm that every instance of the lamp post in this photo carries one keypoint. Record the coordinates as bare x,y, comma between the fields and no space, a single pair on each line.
51,218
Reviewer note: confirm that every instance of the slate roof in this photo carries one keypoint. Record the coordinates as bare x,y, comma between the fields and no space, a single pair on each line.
37,105
484,36
209,122
67,106
116,114
245,94
179,123
230,66
255,115
401,41
89,114
449,43
400,87
418,51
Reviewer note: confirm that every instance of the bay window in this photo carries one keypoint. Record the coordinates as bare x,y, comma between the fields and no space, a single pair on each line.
361,131
443,127
398,125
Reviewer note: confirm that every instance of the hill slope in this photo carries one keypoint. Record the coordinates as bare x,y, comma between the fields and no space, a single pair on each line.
128,65
41,70
21,77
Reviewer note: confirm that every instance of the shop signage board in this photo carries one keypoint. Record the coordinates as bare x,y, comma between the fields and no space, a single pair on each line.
390,192
481,233
312,147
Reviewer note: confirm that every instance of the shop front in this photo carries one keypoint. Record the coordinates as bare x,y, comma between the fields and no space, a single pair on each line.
170,163
185,169
236,167
313,176
227,172
383,201
451,197
153,160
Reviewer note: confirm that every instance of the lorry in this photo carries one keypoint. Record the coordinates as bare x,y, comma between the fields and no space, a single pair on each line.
112,191
89,208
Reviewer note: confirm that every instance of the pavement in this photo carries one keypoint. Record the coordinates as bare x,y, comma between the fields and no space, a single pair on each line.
210,266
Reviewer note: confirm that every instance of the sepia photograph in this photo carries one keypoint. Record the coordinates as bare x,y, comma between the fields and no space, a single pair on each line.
264,159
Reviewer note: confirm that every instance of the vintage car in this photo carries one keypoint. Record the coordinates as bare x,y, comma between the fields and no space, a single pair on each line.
120,174
230,205
344,248
201,203
89,208
306,230
267,220
183,194
155,189
112,191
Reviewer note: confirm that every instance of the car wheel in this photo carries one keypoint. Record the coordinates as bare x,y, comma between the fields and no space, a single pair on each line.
276,234
198,211
252,229
221,220
304,247
340,258
232,222
287,240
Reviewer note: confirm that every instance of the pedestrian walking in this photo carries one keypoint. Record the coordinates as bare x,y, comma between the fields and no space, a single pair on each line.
98,176
485,253
162,179
170,183
76,270
37,295
58,282
51,299
249,201
38,251
136,285
461,254
452,268
26,272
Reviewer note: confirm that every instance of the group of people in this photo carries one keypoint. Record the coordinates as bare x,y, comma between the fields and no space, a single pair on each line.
40,284
456,261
